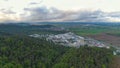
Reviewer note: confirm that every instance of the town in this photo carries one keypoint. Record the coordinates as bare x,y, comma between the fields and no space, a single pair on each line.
72,40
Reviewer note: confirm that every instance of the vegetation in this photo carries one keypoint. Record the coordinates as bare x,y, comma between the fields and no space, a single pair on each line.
26,52
92,28
27,29
18,50
86,57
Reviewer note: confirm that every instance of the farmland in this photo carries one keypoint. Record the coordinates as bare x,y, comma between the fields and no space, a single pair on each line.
109,33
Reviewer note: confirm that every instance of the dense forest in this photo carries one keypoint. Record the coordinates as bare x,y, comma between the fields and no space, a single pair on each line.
18,50
27,52
85,57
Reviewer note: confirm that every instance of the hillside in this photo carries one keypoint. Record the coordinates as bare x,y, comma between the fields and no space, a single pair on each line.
26,52
26,29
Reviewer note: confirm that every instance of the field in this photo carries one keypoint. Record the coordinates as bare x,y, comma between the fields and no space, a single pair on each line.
95,29
106,32
116,62
111,39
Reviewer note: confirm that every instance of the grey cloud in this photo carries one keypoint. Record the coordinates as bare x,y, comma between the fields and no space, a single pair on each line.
8,11
41,14
114,14
32,3
90,16
42,10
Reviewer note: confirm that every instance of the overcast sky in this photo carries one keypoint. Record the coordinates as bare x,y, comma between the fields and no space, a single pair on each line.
60,10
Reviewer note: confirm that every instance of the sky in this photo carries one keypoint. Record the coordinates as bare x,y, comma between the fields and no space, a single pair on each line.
59,10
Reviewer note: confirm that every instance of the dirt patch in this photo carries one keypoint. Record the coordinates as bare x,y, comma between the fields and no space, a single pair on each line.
116,62
113,40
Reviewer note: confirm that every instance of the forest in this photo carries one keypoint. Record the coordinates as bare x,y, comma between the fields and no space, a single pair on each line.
27,52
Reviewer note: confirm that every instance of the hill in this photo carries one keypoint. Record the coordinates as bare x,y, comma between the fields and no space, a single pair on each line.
27,52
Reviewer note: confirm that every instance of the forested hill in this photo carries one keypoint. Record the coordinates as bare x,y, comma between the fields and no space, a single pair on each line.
27,52
85,57
27,29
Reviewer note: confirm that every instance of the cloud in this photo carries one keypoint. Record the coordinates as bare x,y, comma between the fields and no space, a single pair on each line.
7,11
34,3
44,14
115,14
6,0
58,11
7,15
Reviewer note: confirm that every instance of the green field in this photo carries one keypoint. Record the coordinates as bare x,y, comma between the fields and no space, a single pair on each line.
92,29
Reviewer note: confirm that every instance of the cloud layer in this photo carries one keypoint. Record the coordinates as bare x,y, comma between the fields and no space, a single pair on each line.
44,14
64,10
